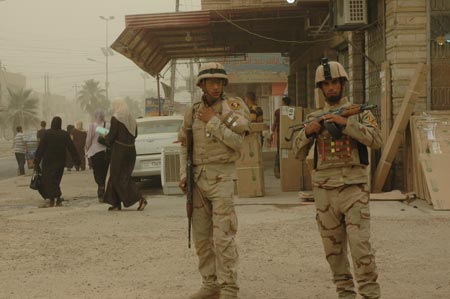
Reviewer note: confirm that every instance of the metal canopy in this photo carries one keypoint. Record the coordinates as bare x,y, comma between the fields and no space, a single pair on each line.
152,40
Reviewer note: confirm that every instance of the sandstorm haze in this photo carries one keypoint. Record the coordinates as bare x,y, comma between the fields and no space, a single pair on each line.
58,36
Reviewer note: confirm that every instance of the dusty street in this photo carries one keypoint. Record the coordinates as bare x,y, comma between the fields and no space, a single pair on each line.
83,251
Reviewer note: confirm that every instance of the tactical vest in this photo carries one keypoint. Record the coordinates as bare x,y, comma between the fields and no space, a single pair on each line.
335,153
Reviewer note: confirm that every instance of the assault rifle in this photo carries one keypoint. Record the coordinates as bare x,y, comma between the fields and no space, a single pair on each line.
344,111
189,181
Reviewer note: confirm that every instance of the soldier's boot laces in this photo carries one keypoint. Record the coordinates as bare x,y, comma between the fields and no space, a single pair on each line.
206,293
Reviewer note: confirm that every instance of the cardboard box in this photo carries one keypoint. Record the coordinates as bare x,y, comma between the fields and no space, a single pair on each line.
250,181
291,171
289,116
259,127
251,153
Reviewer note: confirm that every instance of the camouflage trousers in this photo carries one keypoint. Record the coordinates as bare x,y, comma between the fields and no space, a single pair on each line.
343,217
214,227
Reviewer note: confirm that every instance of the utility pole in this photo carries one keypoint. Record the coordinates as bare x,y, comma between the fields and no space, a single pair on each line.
159,94
191,80
1,90
171,102
76,91
46,95
75,104
107,52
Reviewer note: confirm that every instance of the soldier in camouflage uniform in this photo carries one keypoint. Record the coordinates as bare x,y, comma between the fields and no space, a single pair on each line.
219,125
340,183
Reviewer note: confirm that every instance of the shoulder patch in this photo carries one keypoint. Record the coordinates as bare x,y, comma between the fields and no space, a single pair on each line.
370,119
234,104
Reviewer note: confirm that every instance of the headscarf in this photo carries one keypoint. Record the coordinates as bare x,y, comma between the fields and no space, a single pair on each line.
123,115
56,123
79,125
69,128
99,116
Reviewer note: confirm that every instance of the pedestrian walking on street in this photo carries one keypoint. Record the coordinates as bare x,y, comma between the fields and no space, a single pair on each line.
219,125
52,149
40,132
121,189
69,162
256,112
79,140
96,152
340,182
20,150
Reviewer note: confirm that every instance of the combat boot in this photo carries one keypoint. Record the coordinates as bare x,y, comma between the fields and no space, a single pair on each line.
206,293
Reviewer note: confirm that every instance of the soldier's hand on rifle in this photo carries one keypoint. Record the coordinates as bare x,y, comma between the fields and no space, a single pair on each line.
182,185
313,127
205,114
337,119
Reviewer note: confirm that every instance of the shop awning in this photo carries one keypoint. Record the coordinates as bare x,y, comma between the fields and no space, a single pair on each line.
152,40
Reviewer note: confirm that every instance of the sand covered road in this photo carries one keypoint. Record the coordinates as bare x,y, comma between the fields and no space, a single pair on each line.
83,251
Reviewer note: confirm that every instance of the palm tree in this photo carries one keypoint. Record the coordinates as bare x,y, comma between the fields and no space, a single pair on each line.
22,108
92,97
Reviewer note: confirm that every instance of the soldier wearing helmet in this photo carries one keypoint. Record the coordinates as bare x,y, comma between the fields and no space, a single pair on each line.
218,124
340,182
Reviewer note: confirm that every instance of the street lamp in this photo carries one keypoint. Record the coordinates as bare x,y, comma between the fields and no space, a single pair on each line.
107,52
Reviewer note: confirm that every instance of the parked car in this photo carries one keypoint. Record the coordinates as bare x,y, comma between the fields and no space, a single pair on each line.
153,134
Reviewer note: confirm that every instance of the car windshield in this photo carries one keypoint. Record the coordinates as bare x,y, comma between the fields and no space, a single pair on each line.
160,126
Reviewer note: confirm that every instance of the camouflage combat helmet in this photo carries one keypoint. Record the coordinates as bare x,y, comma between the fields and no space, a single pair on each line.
328,70
212,70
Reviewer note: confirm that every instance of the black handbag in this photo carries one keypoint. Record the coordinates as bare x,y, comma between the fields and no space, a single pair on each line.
101,139
36,179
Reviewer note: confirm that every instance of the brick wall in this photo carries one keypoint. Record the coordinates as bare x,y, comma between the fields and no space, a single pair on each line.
406,46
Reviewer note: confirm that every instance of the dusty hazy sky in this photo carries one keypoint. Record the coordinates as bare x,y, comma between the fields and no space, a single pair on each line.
57,37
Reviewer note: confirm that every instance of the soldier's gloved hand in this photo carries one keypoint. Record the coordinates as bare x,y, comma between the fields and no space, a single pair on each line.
182,185
313,127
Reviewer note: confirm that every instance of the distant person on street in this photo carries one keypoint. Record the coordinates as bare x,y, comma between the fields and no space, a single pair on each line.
40,132
79,140
69,163
256,112
20,150
285,101
96,152
52,152
121,189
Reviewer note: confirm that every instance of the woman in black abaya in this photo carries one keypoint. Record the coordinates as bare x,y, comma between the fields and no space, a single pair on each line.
52,151
121,189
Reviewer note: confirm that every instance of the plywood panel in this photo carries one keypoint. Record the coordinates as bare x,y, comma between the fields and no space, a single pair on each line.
395,137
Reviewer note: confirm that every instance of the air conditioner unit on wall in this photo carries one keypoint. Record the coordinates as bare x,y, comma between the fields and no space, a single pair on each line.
170,170
349,14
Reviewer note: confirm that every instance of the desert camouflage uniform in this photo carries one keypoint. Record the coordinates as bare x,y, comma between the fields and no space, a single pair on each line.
341,196
216,148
